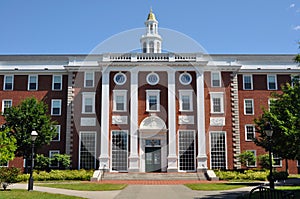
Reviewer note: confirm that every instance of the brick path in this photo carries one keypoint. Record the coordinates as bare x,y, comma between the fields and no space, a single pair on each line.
156,182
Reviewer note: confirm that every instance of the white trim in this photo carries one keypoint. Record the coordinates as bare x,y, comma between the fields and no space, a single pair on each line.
255,165
217,95
4,100
79,151
185,83
120,83
268,81
152,74
29,82
252,107
153,93
226,159
4,82
251,78
52,102
53,82
219,78
85,96
278,158
51,155
122,93
58,129
188,93
85,79
249,125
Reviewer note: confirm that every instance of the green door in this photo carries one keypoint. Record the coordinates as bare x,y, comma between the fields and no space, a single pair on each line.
153,159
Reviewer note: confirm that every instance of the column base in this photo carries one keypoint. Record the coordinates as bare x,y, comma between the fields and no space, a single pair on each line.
172,164
134,164
104,163
202,163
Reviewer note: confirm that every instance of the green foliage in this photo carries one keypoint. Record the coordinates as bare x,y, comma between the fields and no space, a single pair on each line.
29,115
7,146
282,175
246,175
58,175
63,160
8,176
247,157
41,162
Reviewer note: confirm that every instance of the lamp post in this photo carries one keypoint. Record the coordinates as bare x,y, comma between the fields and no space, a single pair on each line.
269,132
33,137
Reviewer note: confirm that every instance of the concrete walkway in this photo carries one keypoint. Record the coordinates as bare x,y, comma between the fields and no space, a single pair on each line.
144,192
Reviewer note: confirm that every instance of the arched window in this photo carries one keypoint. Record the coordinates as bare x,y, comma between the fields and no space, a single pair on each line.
151,47
144,47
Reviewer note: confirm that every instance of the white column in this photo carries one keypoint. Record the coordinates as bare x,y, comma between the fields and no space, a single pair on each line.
134,157
104,156
172,157
201,158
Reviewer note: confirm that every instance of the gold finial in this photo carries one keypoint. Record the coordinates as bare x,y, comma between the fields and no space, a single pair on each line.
151,15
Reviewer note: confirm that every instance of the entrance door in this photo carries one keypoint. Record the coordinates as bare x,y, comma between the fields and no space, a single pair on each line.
153,159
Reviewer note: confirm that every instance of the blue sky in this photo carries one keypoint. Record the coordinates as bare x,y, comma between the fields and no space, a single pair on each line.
78,26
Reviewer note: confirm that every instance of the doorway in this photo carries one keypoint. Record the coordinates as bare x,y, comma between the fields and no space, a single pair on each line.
153,159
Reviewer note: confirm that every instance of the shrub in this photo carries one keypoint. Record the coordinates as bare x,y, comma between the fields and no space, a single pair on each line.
282,175
8,176
245,175
247,157
264,161
41,162
63,160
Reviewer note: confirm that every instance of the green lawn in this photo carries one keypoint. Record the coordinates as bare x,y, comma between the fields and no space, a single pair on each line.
84,186
213,186
24,194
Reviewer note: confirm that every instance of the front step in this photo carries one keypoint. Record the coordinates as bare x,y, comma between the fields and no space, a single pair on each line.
153,176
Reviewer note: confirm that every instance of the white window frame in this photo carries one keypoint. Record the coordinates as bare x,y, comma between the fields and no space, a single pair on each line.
195,149
246,132
251,79
3,104
151,93
252,100
188,93
219,78
122,93
278,158
51,154
36,82
58,130
255,164
268,81
214,95
5,165
79,149
86,79
210,147
52,106
4,83
85,96
53,82
111,151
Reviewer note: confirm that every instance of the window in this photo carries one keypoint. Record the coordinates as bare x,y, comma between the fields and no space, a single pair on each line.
215,79
247,79
252,164
119,152
249,132
298,163
32,82
151,47
120,100
248,107
185,100
88,102
120,78
272,82
216,102
56,82
53,162
89,79
87,150
186,150
6,104
152,79
152,101
185,78
271,102
4,164
277,160
8,82
295,79
56,107
57,135
218,150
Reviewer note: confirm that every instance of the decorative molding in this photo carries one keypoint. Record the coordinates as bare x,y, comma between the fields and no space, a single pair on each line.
118,119
185,119
87,121
217,121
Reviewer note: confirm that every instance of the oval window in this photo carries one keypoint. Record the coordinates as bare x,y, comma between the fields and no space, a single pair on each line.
120,78
152,78
185,78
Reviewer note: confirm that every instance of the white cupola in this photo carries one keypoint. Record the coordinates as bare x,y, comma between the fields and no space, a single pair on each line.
151,40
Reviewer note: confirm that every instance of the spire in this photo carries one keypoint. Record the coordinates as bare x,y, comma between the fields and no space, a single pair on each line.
151,15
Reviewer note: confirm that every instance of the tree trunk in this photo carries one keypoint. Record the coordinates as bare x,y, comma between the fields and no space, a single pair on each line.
287,166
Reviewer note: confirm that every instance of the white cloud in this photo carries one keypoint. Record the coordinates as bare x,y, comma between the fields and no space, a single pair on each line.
292,5
297,28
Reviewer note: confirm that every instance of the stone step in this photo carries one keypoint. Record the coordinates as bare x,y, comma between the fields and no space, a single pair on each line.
154,176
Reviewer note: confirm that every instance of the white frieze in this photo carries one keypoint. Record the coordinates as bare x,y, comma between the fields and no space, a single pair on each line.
118,119
186,119
217,121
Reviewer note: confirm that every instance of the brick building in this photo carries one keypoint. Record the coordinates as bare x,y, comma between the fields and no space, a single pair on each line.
149,111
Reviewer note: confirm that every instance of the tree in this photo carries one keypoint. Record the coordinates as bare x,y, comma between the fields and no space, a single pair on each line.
7,146
284,116
247,158
29,115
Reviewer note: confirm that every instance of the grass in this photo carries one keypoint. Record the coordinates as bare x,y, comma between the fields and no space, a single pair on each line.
214,186
84,186
24,194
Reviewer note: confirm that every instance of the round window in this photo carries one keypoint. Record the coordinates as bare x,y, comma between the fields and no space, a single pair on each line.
120,78
185,78
152,78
